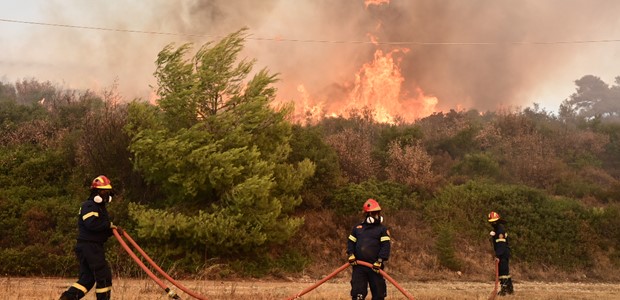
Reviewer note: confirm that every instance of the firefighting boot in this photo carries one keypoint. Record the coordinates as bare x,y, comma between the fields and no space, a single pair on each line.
107,295
509,289
503,290
72,294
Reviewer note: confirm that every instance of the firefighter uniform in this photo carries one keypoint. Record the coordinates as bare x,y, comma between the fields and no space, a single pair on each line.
94,230
501,247
369,242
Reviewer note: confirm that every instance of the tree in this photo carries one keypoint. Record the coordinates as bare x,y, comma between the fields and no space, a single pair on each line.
218,151
593,98
7,92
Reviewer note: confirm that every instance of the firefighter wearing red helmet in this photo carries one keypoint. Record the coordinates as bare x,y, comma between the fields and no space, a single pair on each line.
499,238
94,228
369,241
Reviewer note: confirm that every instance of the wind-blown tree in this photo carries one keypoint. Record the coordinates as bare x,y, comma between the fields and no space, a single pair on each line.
593,98
218,152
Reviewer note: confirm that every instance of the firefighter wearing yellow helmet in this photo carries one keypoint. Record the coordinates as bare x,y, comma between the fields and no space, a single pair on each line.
499,238
369,242
94,228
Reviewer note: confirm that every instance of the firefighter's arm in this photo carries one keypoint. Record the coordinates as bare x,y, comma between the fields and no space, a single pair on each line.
385,245
351,241
93,219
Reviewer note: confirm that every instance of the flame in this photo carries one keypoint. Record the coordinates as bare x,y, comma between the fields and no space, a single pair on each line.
375,2
378,85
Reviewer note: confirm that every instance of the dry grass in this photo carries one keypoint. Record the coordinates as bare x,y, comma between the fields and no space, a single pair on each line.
137,289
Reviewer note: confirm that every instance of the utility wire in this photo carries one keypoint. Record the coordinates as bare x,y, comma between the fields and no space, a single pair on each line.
401,43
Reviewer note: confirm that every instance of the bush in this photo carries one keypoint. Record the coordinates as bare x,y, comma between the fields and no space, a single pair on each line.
444,246
542,230
391,196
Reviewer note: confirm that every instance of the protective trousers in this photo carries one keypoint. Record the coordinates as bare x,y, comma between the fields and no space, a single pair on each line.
361,278
94,269
504,275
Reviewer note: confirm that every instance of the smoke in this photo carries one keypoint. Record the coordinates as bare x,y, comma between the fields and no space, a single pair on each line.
497,53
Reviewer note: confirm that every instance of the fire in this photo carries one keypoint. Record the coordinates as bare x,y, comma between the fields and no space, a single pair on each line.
378,86
375,2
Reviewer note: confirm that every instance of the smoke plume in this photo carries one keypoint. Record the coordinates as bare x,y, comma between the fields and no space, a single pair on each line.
482,54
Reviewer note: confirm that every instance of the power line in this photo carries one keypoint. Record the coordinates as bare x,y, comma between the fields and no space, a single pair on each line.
397,43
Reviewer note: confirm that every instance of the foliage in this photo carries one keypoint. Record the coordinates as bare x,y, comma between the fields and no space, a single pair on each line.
215,174
308,143
354,151
41,236
410,165
593,98
542,230
478,165
233,189
348,200
444,246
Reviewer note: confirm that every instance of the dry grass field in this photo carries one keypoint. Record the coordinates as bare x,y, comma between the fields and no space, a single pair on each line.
137,289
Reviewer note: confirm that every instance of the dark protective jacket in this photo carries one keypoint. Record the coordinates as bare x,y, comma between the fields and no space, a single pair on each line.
369,242
500,240
94,222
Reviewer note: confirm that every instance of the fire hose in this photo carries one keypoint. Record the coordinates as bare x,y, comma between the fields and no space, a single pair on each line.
173,294
359,262
494,291
170,292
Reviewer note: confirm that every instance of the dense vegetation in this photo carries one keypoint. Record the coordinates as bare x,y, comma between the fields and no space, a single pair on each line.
214,181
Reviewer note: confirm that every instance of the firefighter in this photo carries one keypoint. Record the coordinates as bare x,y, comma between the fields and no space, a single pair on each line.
369,242
94,228
499,238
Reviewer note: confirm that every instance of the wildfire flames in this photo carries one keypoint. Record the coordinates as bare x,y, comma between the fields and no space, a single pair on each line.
375,2
378,86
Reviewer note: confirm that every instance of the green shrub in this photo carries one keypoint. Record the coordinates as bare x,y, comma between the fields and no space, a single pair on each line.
542,230
390,195
444,245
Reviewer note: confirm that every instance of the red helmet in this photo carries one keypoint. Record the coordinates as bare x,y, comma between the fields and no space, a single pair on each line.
493,216
371,205
101,183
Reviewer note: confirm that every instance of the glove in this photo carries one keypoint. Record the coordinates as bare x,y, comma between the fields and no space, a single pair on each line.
352,260
118,228
377,266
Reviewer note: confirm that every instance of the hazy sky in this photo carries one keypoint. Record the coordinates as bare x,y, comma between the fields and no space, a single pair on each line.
480,54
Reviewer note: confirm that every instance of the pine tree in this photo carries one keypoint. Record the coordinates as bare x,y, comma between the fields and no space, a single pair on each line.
218,151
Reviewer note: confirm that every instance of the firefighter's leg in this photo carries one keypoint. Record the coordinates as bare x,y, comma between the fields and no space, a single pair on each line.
103,278
504,276
359,283
378,287
100,270
86,280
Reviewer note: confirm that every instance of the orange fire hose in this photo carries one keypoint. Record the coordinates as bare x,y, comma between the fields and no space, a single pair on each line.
154,265
390,279
359,262
494,291
320,282
170,292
